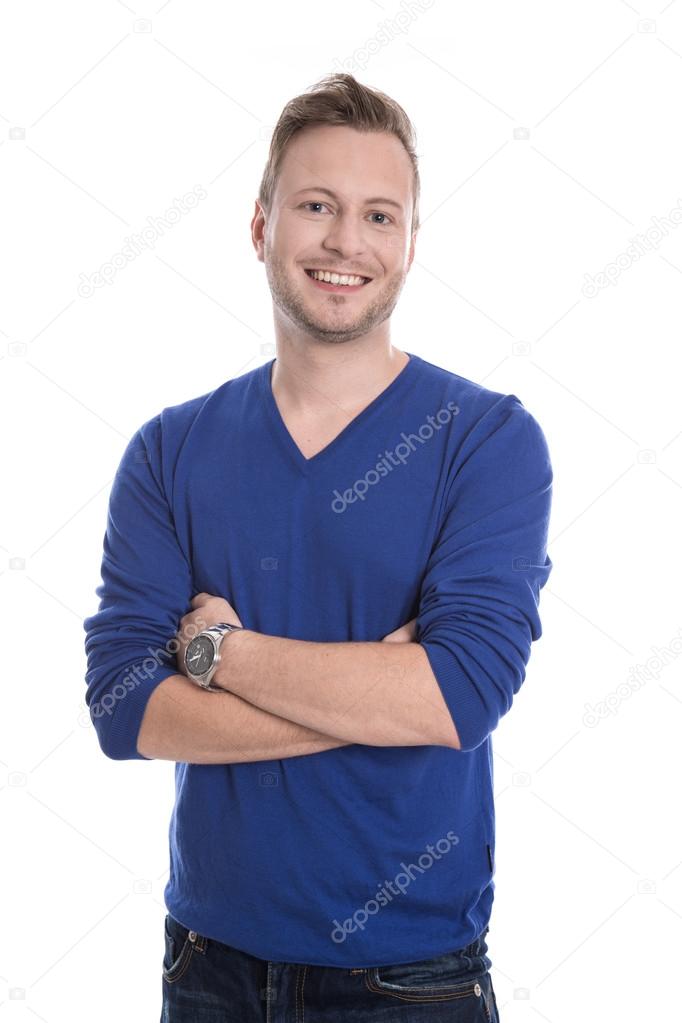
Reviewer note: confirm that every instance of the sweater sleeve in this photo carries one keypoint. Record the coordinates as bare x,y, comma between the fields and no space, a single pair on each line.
478,605
146,588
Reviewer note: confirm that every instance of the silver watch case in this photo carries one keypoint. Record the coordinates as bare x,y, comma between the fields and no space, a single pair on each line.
215,633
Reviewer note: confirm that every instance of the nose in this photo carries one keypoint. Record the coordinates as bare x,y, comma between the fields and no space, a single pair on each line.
346,237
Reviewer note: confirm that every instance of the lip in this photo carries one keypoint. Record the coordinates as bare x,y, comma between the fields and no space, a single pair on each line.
349,289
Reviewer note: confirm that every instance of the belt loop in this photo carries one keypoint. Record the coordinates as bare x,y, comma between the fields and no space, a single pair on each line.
199,942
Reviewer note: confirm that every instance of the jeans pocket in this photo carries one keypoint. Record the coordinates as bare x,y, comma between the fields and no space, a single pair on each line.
458,975
180,946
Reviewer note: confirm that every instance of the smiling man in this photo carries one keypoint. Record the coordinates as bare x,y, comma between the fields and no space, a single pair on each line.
320,586
315,237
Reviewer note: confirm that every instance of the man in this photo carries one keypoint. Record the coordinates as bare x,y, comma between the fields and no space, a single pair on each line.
320,589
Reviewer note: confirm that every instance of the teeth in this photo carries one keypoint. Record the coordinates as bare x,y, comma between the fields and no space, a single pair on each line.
332,278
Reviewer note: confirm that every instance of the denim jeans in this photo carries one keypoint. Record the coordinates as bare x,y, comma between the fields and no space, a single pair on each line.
205,981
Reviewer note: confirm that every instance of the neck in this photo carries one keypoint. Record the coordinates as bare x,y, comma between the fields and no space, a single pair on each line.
323,379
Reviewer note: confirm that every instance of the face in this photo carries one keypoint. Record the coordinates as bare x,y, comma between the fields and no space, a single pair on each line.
322,219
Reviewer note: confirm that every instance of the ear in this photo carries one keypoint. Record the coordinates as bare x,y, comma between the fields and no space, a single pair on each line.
258,231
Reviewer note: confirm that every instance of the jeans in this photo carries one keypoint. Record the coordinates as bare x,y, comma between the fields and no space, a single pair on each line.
205,981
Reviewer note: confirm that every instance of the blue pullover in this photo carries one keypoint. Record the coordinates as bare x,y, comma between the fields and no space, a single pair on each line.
433,503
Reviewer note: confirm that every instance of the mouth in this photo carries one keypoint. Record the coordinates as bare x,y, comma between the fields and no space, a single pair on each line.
337,278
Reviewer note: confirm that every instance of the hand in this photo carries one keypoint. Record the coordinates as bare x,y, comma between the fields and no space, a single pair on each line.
207,610
405,634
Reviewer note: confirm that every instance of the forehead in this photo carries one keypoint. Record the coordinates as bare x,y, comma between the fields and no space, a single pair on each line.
351,163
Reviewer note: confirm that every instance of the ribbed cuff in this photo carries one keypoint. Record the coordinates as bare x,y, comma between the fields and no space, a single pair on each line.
118,714
464,703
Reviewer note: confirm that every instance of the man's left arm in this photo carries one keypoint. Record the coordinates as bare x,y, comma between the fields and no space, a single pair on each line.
377,694
478,615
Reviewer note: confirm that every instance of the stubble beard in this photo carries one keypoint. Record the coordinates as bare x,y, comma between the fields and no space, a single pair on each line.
336,324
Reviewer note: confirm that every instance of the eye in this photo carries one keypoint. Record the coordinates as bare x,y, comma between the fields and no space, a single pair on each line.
376,213
312,203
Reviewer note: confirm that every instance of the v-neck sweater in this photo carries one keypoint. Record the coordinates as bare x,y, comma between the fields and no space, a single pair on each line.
433,502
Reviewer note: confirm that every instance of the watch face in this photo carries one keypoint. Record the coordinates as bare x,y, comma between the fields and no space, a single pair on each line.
200,655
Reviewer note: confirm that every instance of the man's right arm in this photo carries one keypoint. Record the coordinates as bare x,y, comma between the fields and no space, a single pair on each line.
140,705
182,722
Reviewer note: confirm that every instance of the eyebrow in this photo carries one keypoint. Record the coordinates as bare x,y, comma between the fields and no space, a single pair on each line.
328,191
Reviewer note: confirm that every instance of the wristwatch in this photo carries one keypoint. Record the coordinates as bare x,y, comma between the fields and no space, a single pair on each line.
202,655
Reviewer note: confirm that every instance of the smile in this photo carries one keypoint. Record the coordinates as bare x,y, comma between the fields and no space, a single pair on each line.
331,281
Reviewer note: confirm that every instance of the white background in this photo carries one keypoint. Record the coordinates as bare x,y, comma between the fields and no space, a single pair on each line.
548,137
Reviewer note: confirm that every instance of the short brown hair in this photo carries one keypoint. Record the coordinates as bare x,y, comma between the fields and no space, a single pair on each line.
339,99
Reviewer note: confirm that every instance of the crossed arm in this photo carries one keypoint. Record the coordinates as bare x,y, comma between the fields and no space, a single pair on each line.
287,697
478,616
379,694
